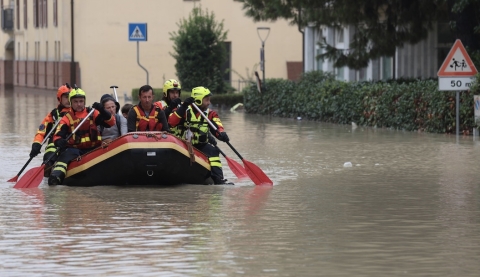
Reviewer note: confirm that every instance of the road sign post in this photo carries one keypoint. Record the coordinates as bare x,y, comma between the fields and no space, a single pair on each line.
456,74
138,32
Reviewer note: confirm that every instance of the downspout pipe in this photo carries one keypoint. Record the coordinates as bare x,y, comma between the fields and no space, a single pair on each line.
73,68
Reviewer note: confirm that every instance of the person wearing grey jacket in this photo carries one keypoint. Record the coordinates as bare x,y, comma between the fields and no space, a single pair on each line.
120,128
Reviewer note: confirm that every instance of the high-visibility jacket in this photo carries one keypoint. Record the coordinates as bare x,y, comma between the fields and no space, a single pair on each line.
48,122
164,107
194,121
87,136
150,123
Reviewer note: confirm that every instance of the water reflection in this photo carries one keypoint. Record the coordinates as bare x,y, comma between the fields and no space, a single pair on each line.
407,206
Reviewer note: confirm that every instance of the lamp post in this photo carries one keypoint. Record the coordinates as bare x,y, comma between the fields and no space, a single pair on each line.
265,31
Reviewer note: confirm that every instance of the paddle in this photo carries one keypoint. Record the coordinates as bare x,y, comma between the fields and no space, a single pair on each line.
115,91
33,177
236,168
253,171
14,179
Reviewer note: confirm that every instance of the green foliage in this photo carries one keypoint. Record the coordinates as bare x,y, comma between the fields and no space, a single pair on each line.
412,105
200,51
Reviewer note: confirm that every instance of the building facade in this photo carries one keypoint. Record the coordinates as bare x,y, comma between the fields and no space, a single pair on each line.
86,42
421,60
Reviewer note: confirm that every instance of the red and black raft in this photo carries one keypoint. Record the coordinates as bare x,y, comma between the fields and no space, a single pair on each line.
140,158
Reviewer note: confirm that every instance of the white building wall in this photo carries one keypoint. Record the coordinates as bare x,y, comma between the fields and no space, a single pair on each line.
106,57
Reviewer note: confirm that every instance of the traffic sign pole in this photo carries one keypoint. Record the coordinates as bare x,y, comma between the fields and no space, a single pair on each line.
456,74
138,32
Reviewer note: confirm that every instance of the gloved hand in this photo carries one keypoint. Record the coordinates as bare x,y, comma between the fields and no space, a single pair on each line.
35,149
212,140
175,102
189,101
61,143
97,106
223,137
104,113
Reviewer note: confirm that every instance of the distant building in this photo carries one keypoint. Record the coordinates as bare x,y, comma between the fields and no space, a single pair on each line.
421,60
37,37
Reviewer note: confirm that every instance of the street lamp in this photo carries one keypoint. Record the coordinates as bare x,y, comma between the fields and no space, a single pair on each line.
265,31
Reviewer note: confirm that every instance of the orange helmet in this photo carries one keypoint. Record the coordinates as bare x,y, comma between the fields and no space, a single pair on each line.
62,90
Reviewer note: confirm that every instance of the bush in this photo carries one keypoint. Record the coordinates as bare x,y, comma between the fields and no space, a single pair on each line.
407,104
226,99
199,51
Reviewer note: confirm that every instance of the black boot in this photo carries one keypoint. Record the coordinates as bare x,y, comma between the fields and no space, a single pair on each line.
218,181
54,180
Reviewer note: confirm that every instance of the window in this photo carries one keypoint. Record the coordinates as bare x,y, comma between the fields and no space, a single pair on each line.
35,14
318,63
45,14
17,8
340,72
25,17
386,68
339,35
362,74
55,15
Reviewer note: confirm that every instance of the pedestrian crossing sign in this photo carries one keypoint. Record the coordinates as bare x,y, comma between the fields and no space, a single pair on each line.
137,31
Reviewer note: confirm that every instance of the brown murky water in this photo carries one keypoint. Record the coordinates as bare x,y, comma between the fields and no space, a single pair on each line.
408,206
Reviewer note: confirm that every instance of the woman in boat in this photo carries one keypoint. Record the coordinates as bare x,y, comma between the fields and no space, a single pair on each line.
146,116
86,138
120,128
46,126
193,127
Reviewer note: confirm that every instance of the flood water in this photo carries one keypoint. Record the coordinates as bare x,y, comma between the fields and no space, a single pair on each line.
408,206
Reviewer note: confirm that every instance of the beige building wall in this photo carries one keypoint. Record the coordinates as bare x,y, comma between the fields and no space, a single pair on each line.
106,57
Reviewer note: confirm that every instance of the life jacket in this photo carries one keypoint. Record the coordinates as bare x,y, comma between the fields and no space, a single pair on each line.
55,115
87,136
197,125
161,104
149,123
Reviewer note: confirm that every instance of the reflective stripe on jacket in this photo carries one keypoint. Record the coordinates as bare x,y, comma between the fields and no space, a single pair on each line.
149,123
48,123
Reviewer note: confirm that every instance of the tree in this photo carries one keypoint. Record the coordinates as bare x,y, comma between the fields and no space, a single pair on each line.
200,51
381,25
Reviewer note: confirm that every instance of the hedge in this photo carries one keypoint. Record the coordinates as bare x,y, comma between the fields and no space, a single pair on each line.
412,105
225,99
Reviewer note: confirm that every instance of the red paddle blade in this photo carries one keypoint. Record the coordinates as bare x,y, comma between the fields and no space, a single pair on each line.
13,180
237,169
31,179
256,174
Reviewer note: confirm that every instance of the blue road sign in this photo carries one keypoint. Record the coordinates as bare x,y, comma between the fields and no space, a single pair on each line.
137,31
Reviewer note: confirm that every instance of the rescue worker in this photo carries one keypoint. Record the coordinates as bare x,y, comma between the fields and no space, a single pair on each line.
194,128
46,126
171,96
85,139
146,116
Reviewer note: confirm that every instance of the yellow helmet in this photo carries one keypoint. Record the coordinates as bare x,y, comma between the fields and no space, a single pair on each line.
76,93
199,93
171,84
